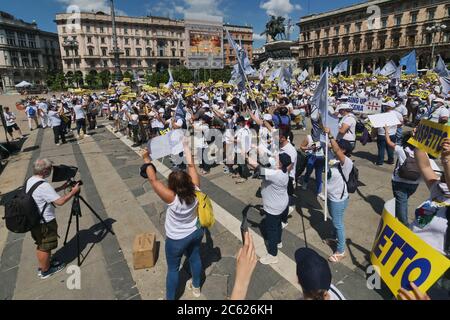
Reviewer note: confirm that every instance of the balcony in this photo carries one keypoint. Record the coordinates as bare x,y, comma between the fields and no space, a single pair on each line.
71,57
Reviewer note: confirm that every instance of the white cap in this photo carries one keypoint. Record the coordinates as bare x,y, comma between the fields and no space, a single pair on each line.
344,106
390,104
161,110
267,117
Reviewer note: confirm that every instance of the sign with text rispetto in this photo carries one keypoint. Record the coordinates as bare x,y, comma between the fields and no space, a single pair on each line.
204,35
402,257
429,136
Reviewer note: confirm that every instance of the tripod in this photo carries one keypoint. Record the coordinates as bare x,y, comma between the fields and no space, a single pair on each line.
76,211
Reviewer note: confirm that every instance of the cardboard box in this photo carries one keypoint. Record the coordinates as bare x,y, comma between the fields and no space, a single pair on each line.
144,251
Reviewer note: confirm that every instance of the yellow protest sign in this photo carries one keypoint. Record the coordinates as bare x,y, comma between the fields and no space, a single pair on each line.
429,136
401,257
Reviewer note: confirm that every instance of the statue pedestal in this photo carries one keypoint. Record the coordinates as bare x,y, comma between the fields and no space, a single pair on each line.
278,54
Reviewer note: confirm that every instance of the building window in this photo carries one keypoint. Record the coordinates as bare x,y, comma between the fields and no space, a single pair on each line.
382,43
149,42
174,53
357,46
126,41
411,40
148,32
431,13
173,43
398,21
91,51
138,52
396,42
31,41
336,31
181,53
347,29
161,52
104,52
88,28
384,23
105,63
127,52
429,38
102,40
89,39
137,42
139,63
128,63
149,52
102,29
63,29
181,43
22,39
413,17
67,53
125,31
318,34
358,27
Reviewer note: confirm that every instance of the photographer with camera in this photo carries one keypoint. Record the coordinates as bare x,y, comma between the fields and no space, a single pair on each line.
46,197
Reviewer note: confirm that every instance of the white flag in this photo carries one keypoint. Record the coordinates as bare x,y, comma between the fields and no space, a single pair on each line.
445,83
388,69
302,77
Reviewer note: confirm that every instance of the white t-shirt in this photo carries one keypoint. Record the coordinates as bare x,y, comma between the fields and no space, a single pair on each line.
392,129
440,112
244,140
289,149
336,184
401,156
350,135
274,191
434,231
10,118
181,219
155,123
55,120
402,110
79,112
28,109
42,195
43,106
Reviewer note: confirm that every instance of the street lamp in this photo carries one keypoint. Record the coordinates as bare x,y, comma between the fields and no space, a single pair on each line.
436,29
72,44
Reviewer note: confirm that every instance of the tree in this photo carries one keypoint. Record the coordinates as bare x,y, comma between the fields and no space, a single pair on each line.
78,78
128,74
91,79
104,78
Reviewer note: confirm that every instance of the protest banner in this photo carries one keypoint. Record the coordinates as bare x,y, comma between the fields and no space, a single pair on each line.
429,136
383,119
401,257
168,144
365,105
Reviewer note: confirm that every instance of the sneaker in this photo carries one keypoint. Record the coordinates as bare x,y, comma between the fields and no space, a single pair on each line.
280,245
321,196
87,135
226,170
284,225
195,291
291,209
58,144
53,263
241,180
53,270
269,259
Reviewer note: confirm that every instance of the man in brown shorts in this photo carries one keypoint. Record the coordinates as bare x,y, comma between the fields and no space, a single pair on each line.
45,234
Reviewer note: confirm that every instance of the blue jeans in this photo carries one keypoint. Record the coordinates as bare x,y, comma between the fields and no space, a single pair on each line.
273,230
337,210
402,192
174,252
399,136
318,166
382,147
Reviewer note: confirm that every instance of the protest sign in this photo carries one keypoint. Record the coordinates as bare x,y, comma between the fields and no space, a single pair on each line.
429,136
401,257
383,119
165,145
365,105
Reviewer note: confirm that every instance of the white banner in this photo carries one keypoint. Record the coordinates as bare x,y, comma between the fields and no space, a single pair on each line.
365,105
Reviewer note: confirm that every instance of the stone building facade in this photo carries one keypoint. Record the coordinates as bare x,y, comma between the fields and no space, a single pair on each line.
26,53
369,40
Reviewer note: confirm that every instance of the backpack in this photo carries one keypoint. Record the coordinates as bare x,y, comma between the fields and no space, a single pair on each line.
21,212
352,182
31,112
409,169
205,210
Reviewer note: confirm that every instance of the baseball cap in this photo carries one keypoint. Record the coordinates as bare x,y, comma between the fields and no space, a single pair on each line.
313,271
390,104
344,106
267,117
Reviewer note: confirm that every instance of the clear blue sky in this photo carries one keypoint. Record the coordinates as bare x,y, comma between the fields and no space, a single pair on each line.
251,12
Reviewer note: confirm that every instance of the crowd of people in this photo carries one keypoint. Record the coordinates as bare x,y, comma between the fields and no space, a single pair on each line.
256,126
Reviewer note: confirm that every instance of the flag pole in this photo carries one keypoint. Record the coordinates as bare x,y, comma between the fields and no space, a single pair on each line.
325,209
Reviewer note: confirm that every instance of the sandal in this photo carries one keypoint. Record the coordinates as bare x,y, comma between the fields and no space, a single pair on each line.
336,257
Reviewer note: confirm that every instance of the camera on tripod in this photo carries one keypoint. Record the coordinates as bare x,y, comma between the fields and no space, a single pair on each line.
65,173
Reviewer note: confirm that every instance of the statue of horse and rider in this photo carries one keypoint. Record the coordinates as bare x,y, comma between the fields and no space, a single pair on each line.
275,27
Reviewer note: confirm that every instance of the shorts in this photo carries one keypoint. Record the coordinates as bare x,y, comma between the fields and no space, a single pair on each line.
45,235
10,128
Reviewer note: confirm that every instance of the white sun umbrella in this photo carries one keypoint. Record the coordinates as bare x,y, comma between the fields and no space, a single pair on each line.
23,84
